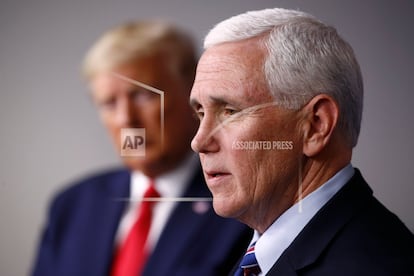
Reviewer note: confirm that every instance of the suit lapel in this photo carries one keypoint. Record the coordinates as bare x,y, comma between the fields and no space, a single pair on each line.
176,239
108,209
323,227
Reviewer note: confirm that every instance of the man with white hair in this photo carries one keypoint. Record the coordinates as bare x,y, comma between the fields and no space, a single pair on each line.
279,96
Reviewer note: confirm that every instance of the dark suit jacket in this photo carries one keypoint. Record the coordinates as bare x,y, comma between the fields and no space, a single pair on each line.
83,220
353,234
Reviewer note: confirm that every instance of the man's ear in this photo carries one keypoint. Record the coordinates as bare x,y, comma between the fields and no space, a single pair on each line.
319,121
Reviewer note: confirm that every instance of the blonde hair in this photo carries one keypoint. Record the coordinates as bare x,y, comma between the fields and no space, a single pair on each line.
131,41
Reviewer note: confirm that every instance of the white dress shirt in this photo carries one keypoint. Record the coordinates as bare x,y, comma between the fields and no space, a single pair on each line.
274,241
170,186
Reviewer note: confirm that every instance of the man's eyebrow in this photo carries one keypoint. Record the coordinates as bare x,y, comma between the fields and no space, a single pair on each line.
218,100
214,99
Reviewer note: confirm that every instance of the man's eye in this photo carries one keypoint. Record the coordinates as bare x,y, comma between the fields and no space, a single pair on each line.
199,115
107,104
229,111
142,96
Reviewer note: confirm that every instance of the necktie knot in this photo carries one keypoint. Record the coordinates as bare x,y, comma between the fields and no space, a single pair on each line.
151,192
249,265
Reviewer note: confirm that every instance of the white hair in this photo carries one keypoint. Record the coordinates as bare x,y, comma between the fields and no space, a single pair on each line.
305,57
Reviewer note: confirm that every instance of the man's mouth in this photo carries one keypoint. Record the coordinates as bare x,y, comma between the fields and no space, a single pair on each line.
216,174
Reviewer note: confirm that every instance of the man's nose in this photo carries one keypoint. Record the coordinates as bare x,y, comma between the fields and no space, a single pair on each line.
126,115
205,140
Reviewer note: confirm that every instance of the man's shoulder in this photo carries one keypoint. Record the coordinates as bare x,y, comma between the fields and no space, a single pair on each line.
374,241
370,238
379,231
353,234
370,217
93,185
369,222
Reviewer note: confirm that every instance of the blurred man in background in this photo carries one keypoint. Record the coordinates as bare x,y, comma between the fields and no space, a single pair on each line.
132,221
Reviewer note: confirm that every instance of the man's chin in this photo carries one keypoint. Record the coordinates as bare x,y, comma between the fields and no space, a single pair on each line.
135,163
150,165
223,208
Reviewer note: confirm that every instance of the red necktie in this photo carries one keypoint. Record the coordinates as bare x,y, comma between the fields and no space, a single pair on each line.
131,256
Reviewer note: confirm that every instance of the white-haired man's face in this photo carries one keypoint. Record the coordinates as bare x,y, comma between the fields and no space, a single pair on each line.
248,146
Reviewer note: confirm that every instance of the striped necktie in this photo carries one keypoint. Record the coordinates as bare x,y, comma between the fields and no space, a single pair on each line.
132,255
249,265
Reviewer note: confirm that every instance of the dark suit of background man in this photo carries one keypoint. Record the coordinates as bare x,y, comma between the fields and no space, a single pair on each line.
279,96
89,221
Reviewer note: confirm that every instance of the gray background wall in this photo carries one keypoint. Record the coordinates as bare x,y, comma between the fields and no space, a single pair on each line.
50,133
